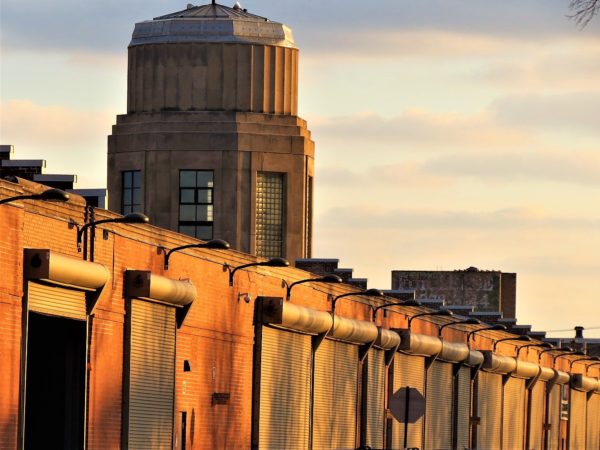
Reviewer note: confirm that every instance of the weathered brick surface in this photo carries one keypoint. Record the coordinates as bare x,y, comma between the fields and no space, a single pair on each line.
217,337
10,344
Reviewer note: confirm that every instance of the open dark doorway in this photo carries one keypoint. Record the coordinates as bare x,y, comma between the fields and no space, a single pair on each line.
55,383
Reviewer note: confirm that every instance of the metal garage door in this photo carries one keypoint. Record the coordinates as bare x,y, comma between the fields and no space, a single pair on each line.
151,373
513,419
463,407
536,415
577,416
375,398
56,301
285,382
553,417
593,423
408,371
335,395
489,410
438,412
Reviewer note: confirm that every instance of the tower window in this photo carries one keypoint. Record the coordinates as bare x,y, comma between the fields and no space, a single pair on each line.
196,203
270,208
131,196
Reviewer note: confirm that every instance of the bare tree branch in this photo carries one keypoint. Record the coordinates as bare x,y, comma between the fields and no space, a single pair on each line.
584,11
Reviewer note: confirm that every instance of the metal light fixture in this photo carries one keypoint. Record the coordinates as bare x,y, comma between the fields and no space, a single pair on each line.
331,278
587,368
496,327
470,321
403,303
215,244
368,293
273,262
53,194
542,345
441,312
572,352
523,338
587,358
553,349
134,217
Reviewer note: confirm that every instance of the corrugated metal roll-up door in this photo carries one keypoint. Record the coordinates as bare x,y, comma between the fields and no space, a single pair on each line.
285,382
593,423
375,398
463,408
408,371
335,395
489,410
553,417
536,415
151,376
438,411
56,301
577,416
513,421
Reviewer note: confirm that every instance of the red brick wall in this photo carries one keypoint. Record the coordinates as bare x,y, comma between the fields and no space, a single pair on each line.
11,222
216,339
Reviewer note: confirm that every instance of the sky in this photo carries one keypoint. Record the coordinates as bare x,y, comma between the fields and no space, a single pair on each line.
449,133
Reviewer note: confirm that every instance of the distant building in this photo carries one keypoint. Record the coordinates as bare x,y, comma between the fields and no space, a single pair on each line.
485,290
211,145
33,170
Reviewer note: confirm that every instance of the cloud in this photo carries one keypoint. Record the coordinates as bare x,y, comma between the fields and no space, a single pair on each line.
107,24
69,139
575,111
575,167
562,65
419,128
405,175
368,217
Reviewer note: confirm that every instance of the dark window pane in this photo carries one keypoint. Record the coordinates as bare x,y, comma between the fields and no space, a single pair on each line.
137,196
137,178
204,232
204,213
187,213
196,205
204,195
189,230
187,196
187,178
126,197
204,178
127,179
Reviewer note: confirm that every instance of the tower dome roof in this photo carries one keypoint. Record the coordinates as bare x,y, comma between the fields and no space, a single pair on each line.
212,23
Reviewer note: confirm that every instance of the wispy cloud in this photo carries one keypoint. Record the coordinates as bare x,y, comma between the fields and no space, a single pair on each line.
420,128
369,217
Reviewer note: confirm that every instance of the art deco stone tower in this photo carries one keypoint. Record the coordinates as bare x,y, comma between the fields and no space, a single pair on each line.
211,144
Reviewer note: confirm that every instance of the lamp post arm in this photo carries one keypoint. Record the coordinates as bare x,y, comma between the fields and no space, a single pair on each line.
85,226
348,294
385,305
545,351
18,197
182,247
579,360
289,287
235,269
421,315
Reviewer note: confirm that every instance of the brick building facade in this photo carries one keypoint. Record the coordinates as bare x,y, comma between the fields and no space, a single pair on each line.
485,290
248,368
